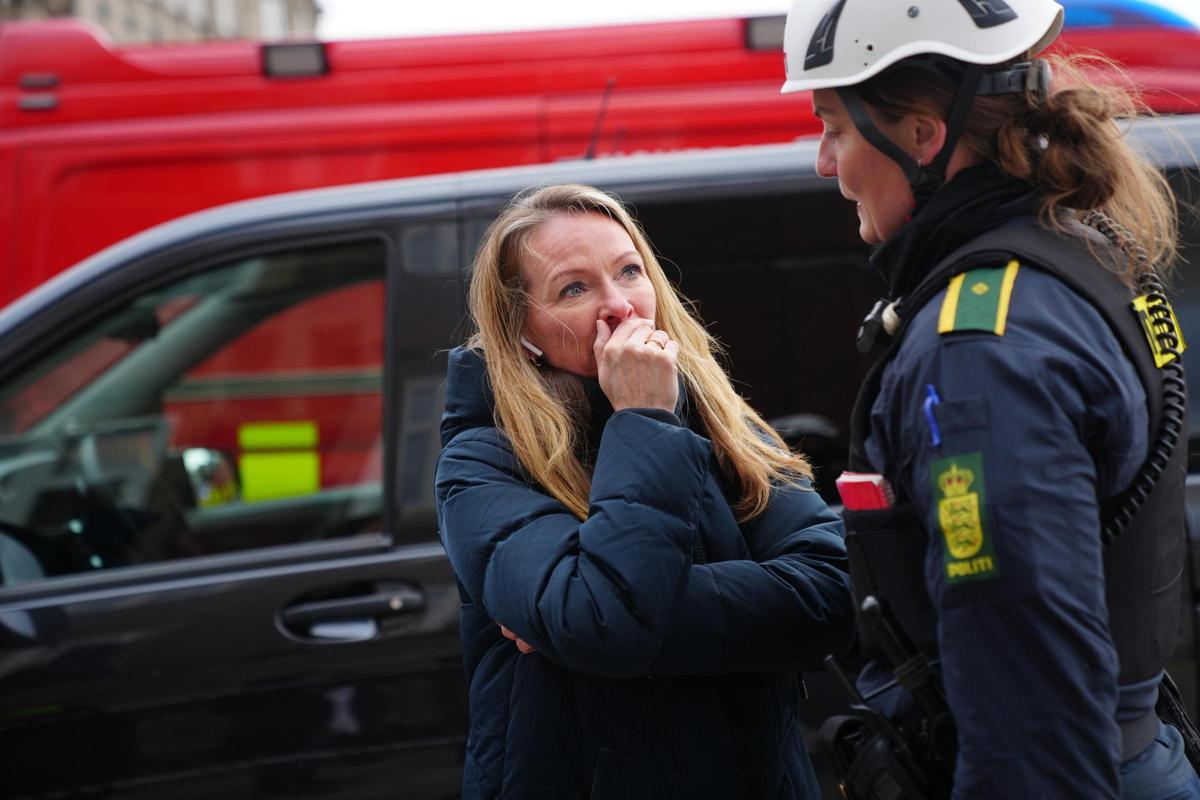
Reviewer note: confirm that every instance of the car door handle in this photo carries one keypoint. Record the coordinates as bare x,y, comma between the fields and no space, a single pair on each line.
393,601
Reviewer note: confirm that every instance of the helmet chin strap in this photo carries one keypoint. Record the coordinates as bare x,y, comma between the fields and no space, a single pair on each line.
924,180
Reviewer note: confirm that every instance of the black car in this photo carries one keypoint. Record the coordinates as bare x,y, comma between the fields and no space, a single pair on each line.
221,571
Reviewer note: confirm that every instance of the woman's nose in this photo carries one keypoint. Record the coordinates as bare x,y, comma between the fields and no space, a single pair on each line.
826,161
615,308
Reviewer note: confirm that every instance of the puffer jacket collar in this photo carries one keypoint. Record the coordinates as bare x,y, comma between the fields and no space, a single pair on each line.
469,399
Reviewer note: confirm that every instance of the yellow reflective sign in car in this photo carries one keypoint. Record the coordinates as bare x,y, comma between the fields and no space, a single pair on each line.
278,459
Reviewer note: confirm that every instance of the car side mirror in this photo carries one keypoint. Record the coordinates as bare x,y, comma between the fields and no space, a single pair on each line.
822,441
794,428
212,476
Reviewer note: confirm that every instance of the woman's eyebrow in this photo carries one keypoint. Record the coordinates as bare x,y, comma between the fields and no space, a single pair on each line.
563,273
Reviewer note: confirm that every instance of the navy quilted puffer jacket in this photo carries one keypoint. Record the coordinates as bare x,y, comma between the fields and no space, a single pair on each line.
656,675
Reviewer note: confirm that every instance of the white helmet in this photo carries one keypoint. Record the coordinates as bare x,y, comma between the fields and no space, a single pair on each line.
838,44
832,43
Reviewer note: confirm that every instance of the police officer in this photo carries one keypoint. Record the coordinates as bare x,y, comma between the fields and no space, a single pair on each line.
1019,424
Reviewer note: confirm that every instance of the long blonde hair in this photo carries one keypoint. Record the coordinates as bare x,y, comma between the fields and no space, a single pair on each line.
1068,144
542,422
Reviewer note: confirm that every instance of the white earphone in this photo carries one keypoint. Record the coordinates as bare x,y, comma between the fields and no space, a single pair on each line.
536,353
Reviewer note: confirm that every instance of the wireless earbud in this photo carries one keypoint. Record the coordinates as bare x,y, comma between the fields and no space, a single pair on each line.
533,350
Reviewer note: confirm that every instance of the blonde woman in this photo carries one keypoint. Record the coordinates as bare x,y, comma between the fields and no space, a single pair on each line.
644,568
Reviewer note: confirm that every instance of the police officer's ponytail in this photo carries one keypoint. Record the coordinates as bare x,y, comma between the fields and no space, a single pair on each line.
1068,143
1065,144
1081,158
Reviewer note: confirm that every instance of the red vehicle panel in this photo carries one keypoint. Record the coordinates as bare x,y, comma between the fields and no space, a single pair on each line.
98,142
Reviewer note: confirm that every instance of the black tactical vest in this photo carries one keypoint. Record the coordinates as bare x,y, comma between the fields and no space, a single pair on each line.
1143,566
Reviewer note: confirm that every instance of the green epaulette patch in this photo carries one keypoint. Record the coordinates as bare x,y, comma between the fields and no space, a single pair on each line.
978,300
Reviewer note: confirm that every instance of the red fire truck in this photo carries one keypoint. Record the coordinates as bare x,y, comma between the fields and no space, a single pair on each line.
98,142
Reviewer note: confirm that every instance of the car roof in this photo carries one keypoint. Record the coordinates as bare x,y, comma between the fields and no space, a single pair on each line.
660,170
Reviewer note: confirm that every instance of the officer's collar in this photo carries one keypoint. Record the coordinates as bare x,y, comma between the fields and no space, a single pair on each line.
976,200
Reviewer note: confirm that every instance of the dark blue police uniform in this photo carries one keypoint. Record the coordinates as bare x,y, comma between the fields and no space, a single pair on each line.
1035,425
1006,418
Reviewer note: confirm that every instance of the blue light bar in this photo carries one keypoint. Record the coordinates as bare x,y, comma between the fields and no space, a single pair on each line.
1122,14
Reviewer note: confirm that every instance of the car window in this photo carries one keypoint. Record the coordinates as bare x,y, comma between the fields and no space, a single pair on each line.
782,281
234,409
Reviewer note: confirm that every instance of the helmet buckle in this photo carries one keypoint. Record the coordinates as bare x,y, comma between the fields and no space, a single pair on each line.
1028,76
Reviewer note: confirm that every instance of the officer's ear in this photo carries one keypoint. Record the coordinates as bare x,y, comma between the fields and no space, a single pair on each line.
927,132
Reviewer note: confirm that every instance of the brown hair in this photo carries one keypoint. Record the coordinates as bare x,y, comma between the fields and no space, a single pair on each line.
541,419
1067,144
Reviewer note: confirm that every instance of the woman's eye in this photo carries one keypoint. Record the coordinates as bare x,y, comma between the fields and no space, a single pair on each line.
631,270
571,290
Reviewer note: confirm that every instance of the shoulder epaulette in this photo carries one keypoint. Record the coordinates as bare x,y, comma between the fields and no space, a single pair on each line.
978,300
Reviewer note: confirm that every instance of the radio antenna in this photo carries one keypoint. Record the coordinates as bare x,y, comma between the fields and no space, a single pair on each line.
608,90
